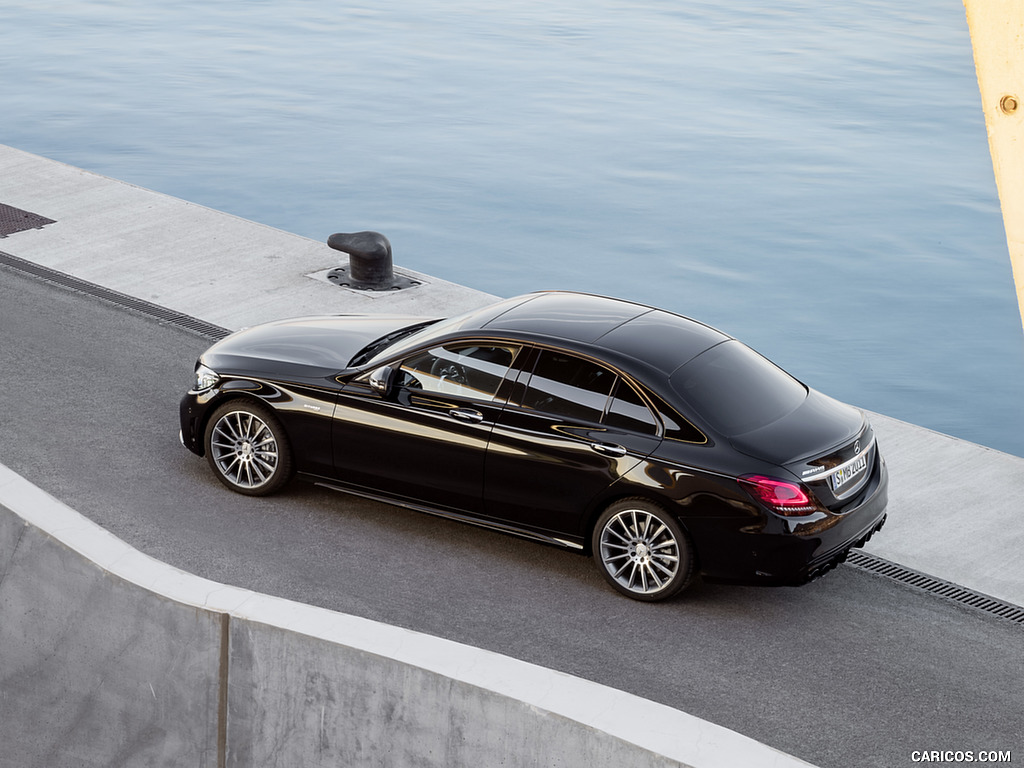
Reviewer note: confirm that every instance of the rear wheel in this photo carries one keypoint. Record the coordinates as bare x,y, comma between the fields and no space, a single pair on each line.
248,449
642,551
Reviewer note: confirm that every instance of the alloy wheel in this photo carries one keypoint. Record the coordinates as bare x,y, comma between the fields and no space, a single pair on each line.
244,450
641,554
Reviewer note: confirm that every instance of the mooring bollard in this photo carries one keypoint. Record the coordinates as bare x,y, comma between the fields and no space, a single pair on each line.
370,265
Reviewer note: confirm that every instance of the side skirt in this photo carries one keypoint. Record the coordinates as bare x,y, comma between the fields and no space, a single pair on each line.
461,518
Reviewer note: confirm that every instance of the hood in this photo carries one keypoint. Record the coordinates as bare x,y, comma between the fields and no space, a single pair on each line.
818,425
311,346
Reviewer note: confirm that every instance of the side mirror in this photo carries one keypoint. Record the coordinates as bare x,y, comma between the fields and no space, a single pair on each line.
382,379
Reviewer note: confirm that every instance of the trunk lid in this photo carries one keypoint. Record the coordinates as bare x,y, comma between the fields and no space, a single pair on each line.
828,445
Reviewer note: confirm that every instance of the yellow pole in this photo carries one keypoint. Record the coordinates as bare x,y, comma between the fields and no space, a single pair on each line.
997,34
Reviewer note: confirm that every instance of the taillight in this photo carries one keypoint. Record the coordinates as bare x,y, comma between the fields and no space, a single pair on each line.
789,499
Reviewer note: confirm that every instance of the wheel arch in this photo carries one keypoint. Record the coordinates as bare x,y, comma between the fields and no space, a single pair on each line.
617,493
253,391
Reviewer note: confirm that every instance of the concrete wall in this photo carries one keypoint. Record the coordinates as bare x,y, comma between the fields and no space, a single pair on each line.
110,658
95,671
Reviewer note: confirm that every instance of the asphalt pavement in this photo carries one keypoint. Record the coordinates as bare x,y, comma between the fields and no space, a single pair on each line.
850,665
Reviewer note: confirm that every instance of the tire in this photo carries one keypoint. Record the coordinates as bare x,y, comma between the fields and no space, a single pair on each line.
247,448
642,551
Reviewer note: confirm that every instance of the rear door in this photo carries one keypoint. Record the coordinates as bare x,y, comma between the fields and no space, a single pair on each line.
572,427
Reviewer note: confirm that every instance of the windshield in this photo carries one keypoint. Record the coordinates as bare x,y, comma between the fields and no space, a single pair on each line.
379,345
736,390
410,337
475,318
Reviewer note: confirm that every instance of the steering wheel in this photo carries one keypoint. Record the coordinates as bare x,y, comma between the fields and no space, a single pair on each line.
448,371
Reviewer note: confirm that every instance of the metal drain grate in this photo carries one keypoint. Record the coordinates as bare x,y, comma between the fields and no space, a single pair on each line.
946,589
16,220
164,315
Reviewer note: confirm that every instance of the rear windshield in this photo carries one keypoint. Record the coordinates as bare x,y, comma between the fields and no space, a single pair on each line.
736,390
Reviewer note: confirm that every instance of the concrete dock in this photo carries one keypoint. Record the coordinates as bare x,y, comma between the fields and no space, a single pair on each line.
954,510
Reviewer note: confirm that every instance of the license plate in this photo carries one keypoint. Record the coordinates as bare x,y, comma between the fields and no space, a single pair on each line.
842,476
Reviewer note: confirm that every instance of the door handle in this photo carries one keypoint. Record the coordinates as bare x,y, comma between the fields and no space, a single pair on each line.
609,449
467,415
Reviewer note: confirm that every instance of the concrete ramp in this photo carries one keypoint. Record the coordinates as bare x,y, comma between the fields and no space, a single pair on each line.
110,658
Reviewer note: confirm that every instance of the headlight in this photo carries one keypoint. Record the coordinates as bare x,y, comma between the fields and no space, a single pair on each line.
205,379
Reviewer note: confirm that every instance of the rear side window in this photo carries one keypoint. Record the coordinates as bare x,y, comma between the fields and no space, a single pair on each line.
568,386
736,390
627,411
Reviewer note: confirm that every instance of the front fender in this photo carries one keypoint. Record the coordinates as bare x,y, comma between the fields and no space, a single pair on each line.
196,407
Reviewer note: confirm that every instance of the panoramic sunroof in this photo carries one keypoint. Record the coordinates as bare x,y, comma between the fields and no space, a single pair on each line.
568,315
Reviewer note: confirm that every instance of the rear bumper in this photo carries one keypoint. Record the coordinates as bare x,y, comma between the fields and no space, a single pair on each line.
796,552
826,562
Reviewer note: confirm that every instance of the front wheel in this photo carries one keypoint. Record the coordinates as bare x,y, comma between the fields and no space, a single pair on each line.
247,448
642,551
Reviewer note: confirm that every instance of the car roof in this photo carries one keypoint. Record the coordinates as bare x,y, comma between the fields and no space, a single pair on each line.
660,339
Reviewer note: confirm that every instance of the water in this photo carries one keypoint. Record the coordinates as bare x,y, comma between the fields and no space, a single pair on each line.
812,177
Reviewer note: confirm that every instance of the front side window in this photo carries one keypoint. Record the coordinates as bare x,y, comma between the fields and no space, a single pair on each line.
472,371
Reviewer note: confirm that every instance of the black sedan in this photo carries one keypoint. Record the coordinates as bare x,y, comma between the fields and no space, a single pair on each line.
659,445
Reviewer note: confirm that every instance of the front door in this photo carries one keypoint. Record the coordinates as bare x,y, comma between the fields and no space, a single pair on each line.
426,440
